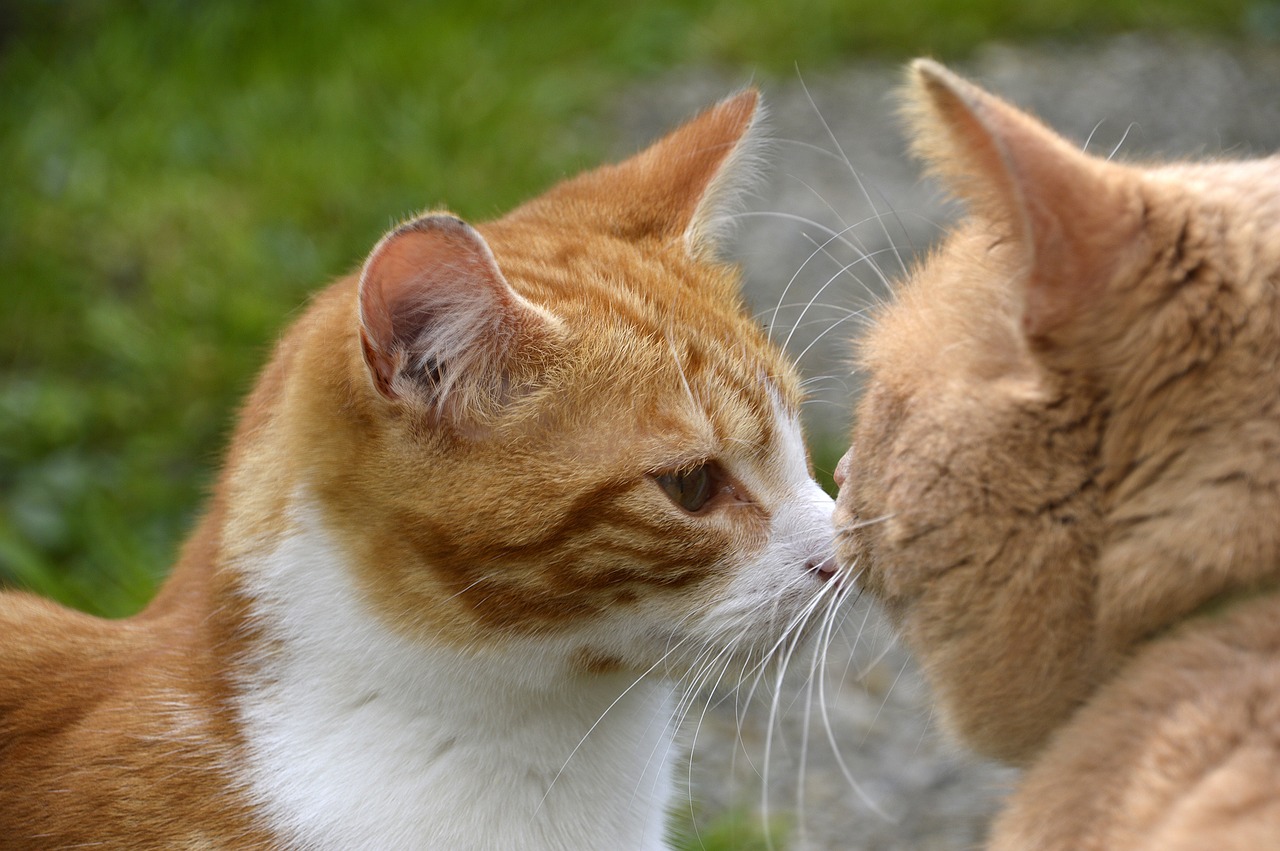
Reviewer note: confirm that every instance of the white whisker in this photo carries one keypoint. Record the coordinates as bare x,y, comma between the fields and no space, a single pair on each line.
857,178
1085,147
1116,149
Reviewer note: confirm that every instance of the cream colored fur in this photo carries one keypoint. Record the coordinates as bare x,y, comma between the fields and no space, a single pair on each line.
1064,482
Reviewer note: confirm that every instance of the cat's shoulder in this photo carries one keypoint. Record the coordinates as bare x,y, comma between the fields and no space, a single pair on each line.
115,723
33,628
1181,751
58,663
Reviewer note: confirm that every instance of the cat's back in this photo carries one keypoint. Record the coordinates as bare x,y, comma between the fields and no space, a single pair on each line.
53,657
91,709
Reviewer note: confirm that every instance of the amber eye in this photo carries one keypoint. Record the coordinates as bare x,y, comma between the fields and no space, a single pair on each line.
691,489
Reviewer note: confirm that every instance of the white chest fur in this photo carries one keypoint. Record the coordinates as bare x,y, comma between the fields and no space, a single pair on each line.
360,738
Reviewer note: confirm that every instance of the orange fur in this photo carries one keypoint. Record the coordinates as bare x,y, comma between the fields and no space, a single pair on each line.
605,345
1064,480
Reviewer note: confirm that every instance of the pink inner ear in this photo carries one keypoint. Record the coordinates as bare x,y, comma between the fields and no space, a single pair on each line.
430,292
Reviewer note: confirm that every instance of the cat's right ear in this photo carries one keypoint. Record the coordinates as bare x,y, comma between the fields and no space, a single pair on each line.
687,188
440,327
1073,216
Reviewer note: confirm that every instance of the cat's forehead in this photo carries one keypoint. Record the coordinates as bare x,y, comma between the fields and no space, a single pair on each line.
960,311
704,382
658,346
578,271
651,302
954,313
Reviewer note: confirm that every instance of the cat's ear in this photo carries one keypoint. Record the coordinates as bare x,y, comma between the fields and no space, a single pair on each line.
687,186
717,161
1072,215
440,327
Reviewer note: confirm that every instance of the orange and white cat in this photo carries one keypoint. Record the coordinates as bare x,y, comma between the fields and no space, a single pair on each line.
490,500
1064,483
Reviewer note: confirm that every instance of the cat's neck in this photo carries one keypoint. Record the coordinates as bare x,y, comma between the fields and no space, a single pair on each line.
360,738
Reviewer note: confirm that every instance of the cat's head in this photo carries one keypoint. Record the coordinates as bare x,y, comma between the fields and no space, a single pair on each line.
564,425
1069,439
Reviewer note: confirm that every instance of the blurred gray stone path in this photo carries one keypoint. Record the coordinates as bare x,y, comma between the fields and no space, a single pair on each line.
1141,97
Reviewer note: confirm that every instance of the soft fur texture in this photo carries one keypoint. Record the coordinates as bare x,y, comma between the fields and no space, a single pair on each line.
492,505
1064,482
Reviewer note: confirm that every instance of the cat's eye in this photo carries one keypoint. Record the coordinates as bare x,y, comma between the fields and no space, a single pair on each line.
689,489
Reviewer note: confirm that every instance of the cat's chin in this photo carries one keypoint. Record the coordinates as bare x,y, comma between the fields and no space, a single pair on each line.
727,643
786,639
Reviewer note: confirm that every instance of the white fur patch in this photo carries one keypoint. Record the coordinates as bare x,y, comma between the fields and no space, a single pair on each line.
360,738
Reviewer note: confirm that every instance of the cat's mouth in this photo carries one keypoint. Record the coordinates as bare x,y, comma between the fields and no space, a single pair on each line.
850,544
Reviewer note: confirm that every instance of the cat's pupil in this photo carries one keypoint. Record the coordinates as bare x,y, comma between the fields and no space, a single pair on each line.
691,490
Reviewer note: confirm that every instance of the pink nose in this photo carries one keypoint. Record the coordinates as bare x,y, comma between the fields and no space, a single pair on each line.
842,469
824,568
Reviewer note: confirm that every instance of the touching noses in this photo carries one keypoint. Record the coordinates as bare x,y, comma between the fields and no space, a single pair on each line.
818,508
823,568
842,468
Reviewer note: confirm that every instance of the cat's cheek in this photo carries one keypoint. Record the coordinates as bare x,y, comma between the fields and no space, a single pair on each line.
871,556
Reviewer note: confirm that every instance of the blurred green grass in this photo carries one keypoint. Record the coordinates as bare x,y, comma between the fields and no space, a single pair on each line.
731,830
178,176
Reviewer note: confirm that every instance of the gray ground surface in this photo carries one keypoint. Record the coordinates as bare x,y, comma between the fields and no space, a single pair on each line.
1148,99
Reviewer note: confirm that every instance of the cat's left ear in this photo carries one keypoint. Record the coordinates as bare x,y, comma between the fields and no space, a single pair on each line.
687,186
441,330
1074,217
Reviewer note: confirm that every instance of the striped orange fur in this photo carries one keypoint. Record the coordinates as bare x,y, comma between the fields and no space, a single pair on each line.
490,500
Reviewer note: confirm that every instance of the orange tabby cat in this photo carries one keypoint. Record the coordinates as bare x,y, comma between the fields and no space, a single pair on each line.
487,500
1064,482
